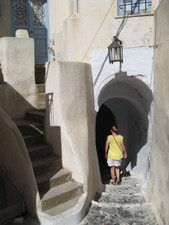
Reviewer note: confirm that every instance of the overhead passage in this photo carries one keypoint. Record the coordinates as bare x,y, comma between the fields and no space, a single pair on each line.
124,102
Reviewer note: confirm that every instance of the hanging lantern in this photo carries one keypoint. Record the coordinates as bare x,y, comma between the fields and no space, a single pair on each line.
115,51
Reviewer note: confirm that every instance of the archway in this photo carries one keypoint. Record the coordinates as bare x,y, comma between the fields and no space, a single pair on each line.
125,102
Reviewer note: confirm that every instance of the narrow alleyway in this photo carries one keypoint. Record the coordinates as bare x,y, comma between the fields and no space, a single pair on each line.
118,205
121,205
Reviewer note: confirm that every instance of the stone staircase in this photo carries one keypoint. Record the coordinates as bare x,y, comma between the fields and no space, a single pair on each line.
121,204
57,190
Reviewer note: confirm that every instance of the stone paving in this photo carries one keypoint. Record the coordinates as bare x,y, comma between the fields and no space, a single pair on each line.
121,205
118,205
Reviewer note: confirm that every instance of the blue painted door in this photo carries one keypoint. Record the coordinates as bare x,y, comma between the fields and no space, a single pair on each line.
32,15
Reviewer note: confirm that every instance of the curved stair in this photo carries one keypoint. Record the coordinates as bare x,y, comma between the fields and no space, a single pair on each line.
58,191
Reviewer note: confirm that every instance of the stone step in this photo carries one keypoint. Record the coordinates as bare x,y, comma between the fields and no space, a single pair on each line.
121,199
41,105
60,194
37,116
129,214
129,185
41,88
62,207
58,191
28,127
41,97
122,204
39,151
46,164
52,179
34,139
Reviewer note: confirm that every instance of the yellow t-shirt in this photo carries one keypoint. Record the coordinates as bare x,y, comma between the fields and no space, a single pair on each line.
115,151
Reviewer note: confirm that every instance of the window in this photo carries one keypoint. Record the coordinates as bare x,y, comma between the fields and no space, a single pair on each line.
129,7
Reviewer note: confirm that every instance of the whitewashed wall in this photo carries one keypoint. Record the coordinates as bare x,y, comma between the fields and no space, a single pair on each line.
72,109
17,63
159,176
85,36
95,25
138,62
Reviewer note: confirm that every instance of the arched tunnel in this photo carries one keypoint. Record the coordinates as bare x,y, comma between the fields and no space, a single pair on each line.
124,102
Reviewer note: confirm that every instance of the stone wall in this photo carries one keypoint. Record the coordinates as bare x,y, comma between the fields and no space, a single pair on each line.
159,175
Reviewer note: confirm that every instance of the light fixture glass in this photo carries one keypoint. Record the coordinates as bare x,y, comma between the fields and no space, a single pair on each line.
115,51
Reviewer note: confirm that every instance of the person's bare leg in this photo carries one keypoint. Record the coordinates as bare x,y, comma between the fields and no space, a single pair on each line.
112,171
118,174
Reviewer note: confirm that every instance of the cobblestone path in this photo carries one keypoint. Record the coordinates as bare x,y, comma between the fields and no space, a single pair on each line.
121,205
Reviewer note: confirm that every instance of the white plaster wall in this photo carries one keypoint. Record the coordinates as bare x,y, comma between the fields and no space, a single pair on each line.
73,111
97,23
58,12
138,62
85,38
17,63
159,176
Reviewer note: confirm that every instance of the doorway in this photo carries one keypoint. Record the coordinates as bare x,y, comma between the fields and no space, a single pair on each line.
32,15
125,102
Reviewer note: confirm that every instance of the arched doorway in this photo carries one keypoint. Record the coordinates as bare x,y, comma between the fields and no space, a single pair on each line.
125,102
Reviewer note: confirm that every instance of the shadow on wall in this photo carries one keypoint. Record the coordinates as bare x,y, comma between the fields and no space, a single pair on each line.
52,132
12,102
